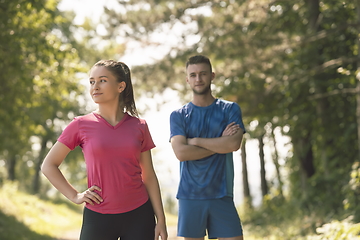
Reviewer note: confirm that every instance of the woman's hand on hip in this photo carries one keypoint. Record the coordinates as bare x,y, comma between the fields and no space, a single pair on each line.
89,196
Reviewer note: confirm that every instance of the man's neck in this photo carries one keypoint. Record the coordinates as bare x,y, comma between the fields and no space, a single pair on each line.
203,100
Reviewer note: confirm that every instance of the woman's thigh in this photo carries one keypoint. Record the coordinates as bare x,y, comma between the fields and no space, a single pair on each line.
138,224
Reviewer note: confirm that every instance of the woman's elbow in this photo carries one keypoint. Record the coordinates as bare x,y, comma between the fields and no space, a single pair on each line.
43,168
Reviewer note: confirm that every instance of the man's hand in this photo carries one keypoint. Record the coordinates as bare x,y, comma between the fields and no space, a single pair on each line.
191,141
231,129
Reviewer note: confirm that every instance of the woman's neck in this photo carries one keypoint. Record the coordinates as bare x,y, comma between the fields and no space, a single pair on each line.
110,114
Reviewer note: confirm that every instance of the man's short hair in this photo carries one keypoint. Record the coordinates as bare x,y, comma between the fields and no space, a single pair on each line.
198,59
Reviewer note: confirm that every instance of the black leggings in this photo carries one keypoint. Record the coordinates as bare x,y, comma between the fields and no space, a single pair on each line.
138,224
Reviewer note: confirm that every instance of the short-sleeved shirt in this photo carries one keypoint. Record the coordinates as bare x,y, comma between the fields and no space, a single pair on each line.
210,177
112,156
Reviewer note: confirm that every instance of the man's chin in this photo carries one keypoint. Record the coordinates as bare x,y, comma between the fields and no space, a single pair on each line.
204,92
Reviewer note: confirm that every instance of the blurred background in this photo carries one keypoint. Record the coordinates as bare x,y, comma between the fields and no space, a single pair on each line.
292,66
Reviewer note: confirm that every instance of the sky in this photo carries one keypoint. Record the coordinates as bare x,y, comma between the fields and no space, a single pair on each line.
165,163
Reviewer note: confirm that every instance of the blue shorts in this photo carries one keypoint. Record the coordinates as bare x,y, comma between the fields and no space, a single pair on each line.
218,216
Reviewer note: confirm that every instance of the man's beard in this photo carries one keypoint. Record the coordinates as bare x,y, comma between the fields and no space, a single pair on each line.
205,91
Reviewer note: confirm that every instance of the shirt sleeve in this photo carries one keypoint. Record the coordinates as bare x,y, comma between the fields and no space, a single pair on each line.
70,136
148,142
176,125
236,116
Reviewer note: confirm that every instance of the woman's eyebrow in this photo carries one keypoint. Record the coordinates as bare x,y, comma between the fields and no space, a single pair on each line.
99,77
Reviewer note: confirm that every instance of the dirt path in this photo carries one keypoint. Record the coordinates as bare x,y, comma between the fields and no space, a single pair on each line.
74,235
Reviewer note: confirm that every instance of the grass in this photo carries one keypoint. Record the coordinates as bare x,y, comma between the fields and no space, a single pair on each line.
280,220
25,216
28,217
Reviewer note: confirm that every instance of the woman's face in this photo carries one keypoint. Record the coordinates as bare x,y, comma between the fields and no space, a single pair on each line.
104,87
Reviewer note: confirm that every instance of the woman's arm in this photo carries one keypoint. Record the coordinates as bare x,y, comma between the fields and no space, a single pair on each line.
152,185
50,168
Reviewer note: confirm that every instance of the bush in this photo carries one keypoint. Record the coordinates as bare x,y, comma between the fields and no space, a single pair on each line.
352,193
338,230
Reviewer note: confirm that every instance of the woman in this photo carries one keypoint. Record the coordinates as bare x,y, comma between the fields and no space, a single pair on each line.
123,192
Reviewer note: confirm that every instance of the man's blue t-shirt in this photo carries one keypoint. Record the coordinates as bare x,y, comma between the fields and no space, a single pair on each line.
210,177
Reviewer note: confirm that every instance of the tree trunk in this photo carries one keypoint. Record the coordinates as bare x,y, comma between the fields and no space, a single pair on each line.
36,180
11,168
314,12
318,79
358,76
264,186
304,152
247,195
307,157
277,165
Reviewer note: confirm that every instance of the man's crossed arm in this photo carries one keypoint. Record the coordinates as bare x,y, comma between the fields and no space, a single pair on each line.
187,149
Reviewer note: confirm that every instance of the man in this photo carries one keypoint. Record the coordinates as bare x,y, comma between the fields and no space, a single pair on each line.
203,135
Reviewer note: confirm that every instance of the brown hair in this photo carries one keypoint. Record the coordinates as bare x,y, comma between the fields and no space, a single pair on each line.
198,59
122,73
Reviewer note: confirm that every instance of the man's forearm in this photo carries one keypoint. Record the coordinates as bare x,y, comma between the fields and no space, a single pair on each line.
190,152
224,144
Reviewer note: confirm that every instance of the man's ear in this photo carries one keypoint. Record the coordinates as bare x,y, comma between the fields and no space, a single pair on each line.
212,76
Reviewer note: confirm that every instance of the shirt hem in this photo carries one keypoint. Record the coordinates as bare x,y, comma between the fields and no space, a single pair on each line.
102,211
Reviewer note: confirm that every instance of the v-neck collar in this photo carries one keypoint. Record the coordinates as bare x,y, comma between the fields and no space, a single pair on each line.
98,116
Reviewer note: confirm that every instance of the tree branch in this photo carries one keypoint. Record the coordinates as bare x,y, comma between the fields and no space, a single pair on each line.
333,92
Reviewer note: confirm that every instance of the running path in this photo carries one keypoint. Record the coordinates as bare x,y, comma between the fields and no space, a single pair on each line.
172,230
74,235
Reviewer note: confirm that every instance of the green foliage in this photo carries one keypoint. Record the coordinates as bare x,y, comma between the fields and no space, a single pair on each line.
40,65
282,219
337,230
352,193
288,64
277,218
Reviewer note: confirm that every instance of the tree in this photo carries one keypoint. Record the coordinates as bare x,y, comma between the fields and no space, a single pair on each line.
275,157
246,187
358,77
40,90
287,63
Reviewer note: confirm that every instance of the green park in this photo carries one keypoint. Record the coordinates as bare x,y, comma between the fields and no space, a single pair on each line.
292,66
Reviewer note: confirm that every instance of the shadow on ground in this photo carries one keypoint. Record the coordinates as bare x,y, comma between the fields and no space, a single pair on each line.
12,229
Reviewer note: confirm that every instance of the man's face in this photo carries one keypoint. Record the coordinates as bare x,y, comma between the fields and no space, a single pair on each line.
199,78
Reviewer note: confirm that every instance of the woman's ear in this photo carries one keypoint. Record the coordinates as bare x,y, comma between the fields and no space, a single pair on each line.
122,86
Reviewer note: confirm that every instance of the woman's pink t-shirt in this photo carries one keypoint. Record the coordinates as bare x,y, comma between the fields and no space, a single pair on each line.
112,155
